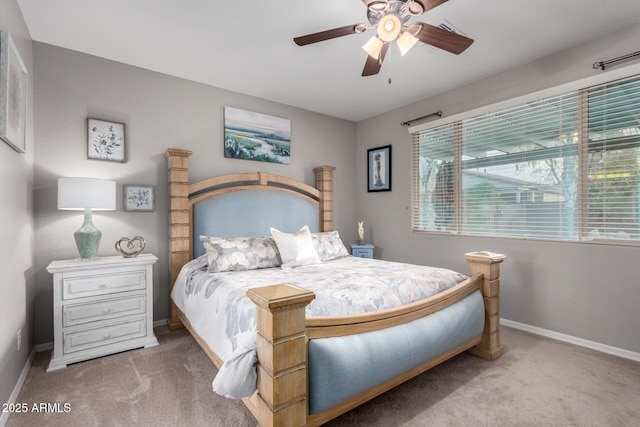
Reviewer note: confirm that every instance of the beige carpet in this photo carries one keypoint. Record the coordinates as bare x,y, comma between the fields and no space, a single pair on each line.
538,382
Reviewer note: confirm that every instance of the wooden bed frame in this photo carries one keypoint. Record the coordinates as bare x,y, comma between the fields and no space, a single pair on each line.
283,330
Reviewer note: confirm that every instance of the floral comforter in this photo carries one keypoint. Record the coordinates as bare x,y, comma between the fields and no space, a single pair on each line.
221,313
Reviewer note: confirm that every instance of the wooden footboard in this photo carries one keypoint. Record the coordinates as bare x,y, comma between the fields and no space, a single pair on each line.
283,331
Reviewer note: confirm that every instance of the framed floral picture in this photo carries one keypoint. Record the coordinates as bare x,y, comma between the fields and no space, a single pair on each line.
139,198
105,140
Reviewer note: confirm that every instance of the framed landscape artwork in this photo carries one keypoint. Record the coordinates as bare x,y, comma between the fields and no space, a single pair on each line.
13,94
379,169
256,136
105,140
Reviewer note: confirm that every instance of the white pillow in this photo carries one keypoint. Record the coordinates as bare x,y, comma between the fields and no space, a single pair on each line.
295,249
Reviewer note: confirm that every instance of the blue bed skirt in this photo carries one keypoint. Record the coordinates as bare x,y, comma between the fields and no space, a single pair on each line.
343,367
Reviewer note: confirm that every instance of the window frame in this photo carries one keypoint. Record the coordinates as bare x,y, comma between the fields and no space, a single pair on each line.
581,87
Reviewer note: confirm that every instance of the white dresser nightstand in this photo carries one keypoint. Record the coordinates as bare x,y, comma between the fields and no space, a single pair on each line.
101,307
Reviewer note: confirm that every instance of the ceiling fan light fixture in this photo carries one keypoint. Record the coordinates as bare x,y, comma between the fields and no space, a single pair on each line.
389,27
415,8
373,47
406,41
378,6
360,28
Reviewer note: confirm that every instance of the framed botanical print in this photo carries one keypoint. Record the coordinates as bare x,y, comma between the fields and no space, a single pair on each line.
139,198
379,169
105,140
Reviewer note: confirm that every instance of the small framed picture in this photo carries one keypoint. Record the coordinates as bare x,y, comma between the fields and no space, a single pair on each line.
379,169
13,94
105,140
139,198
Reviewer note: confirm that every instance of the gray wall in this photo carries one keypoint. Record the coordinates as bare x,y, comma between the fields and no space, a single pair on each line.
16,225
159,112
585,290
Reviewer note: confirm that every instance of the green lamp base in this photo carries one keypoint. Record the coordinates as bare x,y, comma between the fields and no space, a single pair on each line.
87,238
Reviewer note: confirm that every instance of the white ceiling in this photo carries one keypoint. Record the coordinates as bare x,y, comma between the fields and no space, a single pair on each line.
246,46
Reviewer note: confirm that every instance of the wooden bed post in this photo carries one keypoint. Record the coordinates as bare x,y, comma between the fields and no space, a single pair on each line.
282,354
179,228
324,183
488,264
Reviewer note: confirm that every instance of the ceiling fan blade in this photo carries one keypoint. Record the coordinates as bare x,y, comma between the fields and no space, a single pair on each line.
443,39
326,35
372,65
430,4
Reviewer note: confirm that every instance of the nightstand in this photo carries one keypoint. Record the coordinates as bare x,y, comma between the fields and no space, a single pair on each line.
362,251
101,307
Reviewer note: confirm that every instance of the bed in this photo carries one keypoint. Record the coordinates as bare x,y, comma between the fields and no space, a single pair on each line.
308,369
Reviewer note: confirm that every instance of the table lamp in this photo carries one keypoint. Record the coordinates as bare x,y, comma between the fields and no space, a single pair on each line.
87,194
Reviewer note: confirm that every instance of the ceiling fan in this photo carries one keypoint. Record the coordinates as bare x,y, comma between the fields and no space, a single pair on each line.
391,17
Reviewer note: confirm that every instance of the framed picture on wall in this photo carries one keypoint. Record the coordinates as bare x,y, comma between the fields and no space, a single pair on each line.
379,169
256,136
13,94
105,140
139,198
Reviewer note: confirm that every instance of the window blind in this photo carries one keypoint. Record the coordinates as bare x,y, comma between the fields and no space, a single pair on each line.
563,167
614,160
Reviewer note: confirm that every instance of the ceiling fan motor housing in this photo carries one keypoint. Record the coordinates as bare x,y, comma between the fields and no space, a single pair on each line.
378,10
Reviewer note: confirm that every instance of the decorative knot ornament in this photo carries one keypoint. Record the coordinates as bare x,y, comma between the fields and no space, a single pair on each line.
133,247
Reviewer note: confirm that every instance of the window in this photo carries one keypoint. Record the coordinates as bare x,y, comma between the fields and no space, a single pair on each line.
562,168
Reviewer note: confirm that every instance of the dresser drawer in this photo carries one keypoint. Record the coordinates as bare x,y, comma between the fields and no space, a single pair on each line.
76,314
362,253
82,286
97,337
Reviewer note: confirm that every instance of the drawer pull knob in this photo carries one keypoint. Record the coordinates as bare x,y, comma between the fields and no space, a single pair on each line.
106,310
102,285
107,336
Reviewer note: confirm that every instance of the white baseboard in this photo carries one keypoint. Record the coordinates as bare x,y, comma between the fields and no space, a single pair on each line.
626,354
4,416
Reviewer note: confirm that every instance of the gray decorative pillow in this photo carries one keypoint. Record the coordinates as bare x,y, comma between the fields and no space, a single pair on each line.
328,245
240,253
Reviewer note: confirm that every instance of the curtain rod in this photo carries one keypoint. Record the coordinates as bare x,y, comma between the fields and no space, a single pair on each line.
603,64
408,122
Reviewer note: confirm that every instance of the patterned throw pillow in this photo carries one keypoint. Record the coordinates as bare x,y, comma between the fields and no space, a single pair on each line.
240,253
328,245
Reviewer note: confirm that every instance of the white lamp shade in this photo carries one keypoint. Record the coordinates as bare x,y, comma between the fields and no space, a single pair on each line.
373,47
405,42
81,193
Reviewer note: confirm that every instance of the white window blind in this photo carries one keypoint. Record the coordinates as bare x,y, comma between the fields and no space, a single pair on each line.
563,168
614,160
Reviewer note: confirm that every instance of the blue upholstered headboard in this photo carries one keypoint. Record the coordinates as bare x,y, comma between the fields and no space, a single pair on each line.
251,213
239,204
